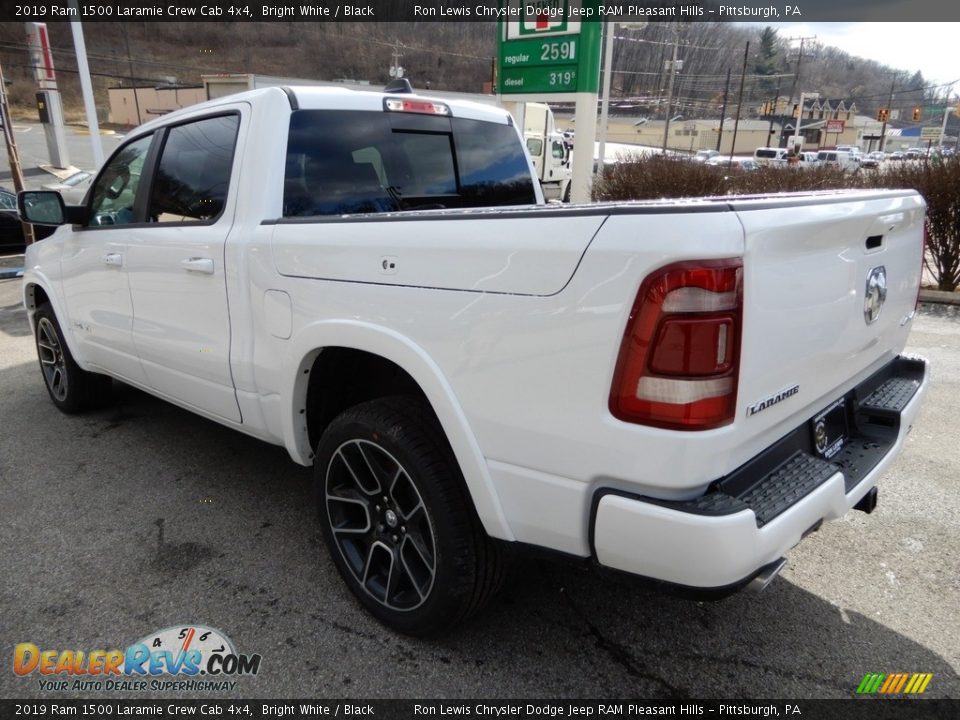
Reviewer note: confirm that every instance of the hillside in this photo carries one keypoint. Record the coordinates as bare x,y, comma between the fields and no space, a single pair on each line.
454,56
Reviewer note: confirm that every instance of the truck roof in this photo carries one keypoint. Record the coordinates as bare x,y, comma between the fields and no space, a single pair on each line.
304,97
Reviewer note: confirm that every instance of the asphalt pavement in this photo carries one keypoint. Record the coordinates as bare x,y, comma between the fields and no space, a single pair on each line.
143,516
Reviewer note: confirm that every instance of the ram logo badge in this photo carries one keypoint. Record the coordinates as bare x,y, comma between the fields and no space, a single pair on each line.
875,294
772,400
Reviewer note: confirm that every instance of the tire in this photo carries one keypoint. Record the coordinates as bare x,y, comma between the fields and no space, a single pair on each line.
71,388
398,521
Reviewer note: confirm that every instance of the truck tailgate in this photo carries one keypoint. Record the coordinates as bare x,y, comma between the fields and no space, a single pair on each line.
830,287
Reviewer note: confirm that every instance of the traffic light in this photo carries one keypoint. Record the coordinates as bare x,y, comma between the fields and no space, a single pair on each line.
883,114
917,113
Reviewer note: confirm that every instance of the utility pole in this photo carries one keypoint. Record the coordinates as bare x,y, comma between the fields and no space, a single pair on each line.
796,79
723,110
883,128
673,68
133,80
16,170
773,110
396,70
743,77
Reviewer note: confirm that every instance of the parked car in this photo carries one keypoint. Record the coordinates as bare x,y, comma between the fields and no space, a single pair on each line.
897,156
73,188
704,155
11,228
852,149
737,164
914,153
809,159
873,160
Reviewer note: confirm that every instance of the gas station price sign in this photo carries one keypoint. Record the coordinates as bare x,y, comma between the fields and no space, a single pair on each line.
545,49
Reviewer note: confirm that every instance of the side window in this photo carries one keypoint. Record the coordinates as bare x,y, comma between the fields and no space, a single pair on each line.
335,164
493,168
115,191
535,146
194,171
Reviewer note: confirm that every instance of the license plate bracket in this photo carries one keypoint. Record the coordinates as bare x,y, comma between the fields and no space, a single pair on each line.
829,430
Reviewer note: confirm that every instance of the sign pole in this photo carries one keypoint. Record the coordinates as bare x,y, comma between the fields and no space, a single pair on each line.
943,128
605,96
586,124
87,87
549,51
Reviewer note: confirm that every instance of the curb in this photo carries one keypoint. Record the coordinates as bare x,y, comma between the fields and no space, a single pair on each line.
939,297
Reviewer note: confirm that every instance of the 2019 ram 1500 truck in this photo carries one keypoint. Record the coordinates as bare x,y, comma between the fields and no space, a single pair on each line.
676,390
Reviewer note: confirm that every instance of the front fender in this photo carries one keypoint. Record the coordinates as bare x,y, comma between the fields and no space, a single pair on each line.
34,279
309,342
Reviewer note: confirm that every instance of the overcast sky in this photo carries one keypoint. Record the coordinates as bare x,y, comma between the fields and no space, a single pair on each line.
931,48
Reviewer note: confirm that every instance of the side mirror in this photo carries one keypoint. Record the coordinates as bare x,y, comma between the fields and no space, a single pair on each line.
46,207
41,207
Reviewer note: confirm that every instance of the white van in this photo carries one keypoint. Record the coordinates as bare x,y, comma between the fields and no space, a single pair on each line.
770,156
854,151
842,159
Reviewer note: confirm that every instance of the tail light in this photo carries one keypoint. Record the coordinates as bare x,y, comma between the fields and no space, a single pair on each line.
680,357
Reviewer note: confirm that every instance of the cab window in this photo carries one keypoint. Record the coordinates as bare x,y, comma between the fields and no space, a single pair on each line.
115,191
194,171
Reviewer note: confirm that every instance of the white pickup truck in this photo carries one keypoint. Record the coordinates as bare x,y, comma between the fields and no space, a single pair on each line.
675,390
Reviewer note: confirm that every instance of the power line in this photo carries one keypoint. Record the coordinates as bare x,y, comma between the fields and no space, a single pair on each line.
115,58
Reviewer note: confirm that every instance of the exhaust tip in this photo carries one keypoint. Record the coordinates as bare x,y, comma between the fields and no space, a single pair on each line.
868,503
766,575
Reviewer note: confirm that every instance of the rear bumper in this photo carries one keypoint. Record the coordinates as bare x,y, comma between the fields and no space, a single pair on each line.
750,518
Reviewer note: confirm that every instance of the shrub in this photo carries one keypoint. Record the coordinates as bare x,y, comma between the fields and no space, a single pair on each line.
939,183
657,177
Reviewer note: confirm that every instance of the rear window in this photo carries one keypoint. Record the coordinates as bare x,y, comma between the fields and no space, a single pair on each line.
764,153
342,162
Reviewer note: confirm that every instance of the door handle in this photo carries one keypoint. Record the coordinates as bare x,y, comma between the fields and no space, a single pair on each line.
114,259
198,265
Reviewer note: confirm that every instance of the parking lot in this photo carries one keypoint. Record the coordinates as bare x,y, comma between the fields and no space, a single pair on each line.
143,516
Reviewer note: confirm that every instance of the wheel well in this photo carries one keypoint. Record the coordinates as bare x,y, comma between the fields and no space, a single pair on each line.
36,296
343,377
